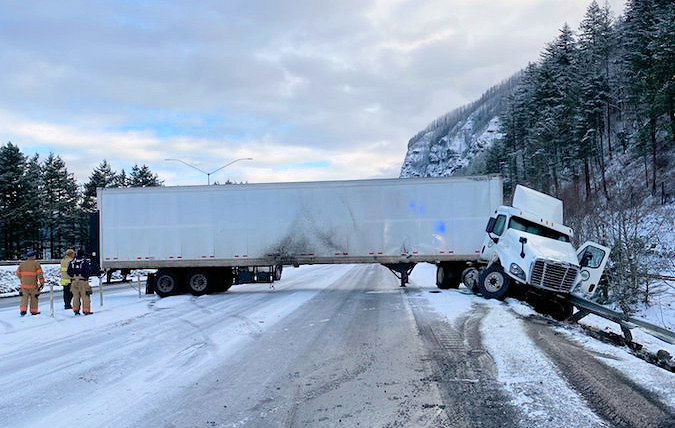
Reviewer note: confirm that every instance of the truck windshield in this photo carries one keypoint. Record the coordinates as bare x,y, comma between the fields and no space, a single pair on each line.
518,223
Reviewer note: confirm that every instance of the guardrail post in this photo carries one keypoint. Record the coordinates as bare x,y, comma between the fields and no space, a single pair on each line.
100,289
51,299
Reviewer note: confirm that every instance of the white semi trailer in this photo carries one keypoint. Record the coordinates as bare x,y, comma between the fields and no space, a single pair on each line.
200,238
204,238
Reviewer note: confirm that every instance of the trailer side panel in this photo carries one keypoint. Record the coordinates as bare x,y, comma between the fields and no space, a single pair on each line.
380,221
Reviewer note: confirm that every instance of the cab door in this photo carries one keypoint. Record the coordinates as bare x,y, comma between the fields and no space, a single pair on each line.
494,229
592,259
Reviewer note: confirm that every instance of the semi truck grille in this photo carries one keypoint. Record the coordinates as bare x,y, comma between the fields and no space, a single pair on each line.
554,276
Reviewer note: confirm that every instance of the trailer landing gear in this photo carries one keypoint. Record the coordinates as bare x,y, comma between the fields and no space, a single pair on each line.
401,270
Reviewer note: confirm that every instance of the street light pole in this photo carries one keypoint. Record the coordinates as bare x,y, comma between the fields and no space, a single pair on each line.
208,174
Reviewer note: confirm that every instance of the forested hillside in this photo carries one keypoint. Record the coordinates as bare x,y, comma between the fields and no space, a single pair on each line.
452,141
592,121
43,208
595,95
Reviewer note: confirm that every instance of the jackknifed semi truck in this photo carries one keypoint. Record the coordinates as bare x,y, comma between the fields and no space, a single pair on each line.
203,239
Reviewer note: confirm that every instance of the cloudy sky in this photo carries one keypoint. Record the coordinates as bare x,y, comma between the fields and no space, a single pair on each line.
309,89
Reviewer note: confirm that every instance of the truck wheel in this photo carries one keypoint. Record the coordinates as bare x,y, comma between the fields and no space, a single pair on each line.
199,282
470,279
493,283
277,272
166,283
446,277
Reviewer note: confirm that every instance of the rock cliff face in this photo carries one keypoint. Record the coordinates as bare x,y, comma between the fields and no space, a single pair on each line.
452,141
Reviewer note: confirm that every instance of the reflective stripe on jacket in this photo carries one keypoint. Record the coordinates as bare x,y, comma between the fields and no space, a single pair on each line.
30,273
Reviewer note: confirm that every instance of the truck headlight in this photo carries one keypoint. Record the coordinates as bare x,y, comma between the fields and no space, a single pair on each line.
517,271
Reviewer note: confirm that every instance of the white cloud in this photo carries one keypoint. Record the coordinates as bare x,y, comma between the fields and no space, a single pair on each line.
83,149
281,81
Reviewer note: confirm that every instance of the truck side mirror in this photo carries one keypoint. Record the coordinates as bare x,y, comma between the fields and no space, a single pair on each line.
523,241
490,225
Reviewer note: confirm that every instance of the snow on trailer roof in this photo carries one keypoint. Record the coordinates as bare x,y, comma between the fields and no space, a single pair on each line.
337,183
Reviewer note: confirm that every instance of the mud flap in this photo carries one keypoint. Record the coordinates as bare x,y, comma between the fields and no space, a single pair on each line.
150,283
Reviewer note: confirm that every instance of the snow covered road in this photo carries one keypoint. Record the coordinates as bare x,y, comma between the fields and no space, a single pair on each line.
332,345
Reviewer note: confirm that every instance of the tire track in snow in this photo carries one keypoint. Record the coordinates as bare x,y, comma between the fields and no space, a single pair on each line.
609,392
535,386
464,369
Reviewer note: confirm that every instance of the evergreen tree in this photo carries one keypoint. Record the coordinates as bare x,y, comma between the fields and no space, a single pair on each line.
593,124
555,99
142,176
13,188
102,176
639,39
60,205
663,46
122,180
517,119
33,204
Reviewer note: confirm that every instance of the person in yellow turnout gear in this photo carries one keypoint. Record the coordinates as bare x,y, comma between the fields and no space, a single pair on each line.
32,280
66,279
80,269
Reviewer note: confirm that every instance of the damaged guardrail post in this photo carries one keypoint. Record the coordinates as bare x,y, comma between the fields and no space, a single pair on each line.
624,321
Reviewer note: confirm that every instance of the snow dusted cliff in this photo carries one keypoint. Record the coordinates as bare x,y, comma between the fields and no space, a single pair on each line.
452,141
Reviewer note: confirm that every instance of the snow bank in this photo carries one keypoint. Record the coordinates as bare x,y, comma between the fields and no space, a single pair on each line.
9,283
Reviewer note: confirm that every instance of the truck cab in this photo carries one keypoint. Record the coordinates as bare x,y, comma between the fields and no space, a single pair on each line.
527,243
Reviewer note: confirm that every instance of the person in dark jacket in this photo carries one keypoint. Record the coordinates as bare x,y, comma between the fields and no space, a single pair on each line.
80,269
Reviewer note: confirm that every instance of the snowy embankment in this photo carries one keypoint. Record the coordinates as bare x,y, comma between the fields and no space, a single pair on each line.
521,364
9,283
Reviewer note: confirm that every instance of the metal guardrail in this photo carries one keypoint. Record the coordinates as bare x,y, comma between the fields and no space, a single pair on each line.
626,322
663,277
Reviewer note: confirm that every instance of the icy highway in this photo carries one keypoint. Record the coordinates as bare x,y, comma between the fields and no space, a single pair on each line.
329,346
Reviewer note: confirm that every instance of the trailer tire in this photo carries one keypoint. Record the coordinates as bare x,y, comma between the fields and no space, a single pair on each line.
166,283
493,283
200,282
446,277
470,279
278,269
